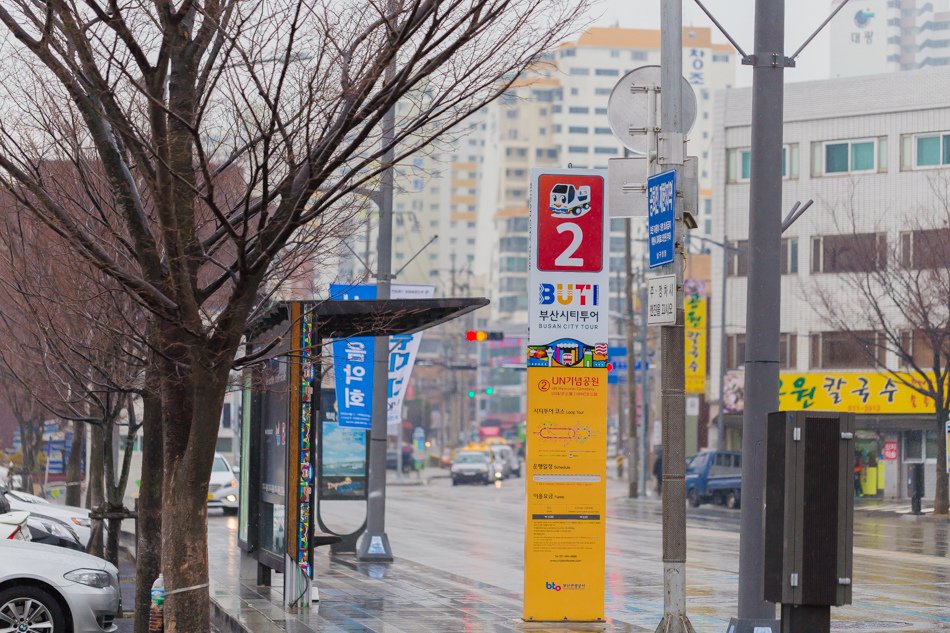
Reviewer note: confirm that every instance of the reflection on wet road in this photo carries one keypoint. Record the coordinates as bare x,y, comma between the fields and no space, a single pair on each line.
901,568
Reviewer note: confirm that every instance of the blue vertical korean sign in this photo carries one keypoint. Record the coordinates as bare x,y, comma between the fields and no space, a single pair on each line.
353,366
661,216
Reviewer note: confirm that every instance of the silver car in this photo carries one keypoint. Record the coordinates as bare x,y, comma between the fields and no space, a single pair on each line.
43,587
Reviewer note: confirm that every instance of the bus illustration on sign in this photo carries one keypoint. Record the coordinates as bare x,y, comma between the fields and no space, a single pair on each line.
566,199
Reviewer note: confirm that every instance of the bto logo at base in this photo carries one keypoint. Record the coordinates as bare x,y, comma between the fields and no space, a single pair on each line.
552,585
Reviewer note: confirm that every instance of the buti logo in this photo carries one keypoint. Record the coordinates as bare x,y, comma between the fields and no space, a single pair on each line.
586,294
552,585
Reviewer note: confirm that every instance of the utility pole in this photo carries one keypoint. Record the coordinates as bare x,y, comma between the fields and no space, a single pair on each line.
672,337
644,384
374,546
763,303
633,488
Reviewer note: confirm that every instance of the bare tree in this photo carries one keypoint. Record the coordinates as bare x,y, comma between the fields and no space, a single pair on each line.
156,105
894,298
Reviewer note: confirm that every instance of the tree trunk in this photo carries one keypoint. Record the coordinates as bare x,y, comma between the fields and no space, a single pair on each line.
148,545
940,490
112,537
74,467
95,491
189,452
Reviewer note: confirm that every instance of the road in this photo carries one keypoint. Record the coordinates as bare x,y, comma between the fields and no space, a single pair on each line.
901,568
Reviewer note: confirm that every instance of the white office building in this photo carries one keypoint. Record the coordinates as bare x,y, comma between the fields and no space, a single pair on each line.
873,153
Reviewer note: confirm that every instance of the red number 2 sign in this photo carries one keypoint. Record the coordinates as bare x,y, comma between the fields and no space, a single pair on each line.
570,223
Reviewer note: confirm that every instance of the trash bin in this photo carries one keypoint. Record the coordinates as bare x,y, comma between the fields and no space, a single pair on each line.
915,486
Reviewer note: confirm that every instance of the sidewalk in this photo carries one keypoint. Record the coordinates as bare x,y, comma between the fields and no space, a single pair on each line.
404,597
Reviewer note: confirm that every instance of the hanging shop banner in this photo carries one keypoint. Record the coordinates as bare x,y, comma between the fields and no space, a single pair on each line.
566,428
855,392
353,365
403,349
694,310
353,362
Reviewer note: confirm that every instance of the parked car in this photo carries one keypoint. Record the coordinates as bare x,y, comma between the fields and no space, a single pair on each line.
50,531
50,587
714,477
475,466
223,488
76,519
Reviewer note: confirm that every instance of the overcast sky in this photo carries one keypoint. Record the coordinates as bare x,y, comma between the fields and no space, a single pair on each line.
802,17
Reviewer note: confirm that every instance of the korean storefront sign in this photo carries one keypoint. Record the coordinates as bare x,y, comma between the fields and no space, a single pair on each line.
855,392
566,430
695,331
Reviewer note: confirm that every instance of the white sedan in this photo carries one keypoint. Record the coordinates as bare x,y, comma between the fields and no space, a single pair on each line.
76,518
43,587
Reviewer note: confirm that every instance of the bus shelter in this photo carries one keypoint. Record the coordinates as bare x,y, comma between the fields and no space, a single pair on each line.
281,414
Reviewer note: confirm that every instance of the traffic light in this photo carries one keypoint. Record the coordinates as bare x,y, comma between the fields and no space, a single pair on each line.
471,393
487,391
482,335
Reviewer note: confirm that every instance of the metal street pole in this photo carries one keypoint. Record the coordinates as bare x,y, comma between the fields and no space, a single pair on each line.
633,487
762,304
723,341
644,385
374,546
672,337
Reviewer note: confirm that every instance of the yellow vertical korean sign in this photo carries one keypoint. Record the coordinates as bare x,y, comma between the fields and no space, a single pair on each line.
695,333
566,428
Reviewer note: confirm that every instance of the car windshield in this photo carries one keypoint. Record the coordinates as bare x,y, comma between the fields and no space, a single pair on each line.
26,497
219,466
471,458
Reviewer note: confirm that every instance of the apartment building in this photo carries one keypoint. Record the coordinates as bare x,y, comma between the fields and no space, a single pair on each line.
880,36
873,152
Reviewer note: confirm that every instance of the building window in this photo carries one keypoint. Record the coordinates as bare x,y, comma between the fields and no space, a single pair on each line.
602,130
514,244
789,255
849,253
578,110
846,350
581,72
556,108
638,55
849,157
925,249
600,111
617,244
925,151
607,72
514,284
735,351
605,150
556,128
516,225
511,304
603,92
920,445
578,129
569,52
513,264
918,349
740,163
719,57
577,149
739,262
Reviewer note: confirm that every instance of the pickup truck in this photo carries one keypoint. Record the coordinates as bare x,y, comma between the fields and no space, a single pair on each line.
714,477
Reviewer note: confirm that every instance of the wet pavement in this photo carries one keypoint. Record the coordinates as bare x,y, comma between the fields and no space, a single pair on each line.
459,568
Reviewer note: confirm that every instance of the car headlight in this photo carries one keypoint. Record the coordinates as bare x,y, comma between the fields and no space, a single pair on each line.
81,521
90,578
231,498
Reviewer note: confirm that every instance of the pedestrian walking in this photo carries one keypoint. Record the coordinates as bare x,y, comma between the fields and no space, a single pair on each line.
658,473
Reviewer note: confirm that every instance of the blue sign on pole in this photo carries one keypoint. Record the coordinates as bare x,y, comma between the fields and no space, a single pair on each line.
661,212
353,366
617,356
